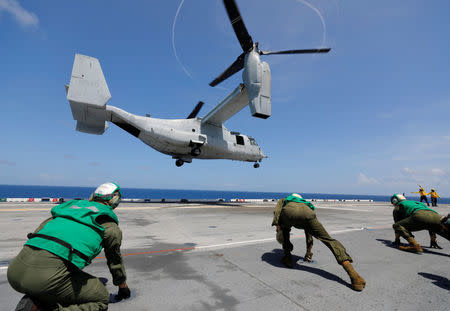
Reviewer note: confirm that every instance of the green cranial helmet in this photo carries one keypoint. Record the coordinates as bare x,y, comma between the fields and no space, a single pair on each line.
397,198
109,193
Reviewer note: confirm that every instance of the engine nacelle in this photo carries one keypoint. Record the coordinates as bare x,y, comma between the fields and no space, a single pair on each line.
257,80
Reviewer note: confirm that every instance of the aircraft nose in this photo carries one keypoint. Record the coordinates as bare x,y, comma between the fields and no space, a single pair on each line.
261,153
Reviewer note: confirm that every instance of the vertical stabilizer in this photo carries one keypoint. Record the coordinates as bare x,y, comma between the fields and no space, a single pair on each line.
88,94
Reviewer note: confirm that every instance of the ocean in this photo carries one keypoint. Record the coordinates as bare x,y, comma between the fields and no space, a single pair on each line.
22,191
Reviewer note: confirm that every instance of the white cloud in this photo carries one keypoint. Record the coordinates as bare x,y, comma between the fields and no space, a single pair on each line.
423,173
438,172
427,177
23,17
363,179
48,177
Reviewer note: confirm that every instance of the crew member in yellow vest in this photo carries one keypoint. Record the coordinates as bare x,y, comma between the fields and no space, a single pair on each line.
423,195
413,216
294,211
434,196
48,270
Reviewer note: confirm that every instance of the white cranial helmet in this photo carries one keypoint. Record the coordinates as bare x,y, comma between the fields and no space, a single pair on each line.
297,195
109,193
397,198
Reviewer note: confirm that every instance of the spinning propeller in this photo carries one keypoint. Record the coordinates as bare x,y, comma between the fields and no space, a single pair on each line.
247,44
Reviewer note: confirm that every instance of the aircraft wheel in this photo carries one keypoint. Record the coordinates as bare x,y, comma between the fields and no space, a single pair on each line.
179,162
195,151
256,165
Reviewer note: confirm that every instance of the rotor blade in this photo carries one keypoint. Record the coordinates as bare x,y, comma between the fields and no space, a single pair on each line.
235,67
196,110
239,28
306,51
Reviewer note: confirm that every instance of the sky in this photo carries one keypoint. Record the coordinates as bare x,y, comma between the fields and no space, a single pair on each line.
370,117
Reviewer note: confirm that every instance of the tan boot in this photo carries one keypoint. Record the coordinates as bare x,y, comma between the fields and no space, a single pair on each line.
358,283
413,246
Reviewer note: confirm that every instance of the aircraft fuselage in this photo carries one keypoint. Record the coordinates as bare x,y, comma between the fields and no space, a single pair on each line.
178,137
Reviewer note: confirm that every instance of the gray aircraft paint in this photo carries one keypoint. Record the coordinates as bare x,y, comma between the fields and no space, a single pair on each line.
185,139
88,94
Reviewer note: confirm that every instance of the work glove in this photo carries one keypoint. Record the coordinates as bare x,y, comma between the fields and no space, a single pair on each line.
123,293
308,256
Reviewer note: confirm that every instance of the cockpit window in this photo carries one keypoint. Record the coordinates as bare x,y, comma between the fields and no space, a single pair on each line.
252,141
239,140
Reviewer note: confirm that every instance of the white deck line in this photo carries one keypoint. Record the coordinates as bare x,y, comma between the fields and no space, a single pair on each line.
269,239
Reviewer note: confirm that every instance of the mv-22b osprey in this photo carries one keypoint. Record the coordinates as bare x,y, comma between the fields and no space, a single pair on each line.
184,139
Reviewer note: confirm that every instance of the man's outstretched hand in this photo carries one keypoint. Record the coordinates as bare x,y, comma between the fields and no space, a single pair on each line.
308,256
124,292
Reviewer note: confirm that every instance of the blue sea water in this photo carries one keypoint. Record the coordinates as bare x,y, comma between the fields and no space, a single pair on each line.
21,191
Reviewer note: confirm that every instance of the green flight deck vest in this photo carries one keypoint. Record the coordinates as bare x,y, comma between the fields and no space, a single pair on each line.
73,233
410,207
298,200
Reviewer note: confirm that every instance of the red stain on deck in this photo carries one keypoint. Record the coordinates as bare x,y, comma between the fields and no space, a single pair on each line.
153,252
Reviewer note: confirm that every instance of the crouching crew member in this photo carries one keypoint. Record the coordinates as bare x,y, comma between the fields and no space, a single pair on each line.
48,269
293,211
413,216
399,215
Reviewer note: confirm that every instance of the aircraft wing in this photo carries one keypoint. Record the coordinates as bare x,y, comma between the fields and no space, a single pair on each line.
228,107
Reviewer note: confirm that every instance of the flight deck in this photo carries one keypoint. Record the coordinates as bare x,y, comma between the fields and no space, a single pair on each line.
224,256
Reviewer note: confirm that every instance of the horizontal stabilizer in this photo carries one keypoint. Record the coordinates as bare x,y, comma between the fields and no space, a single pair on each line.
92,128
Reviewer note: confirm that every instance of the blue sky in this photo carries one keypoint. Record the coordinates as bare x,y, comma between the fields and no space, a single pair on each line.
370,117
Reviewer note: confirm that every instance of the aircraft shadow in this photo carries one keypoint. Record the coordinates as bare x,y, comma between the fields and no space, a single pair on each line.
440,281
274,258
426,250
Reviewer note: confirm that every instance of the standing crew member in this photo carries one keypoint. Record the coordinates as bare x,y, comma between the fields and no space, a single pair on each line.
299,213
434,196
423,195
48,268
412,216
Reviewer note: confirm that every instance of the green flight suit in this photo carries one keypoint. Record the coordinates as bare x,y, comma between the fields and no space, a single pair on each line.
302,216
60,285
416,220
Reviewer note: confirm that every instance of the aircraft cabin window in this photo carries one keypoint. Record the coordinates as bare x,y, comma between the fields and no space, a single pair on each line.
252,141
239,140
193,130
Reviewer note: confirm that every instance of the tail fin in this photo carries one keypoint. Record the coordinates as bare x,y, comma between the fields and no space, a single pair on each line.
88,94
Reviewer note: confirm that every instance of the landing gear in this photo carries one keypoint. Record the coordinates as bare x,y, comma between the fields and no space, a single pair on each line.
256,165
179,162
195,152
